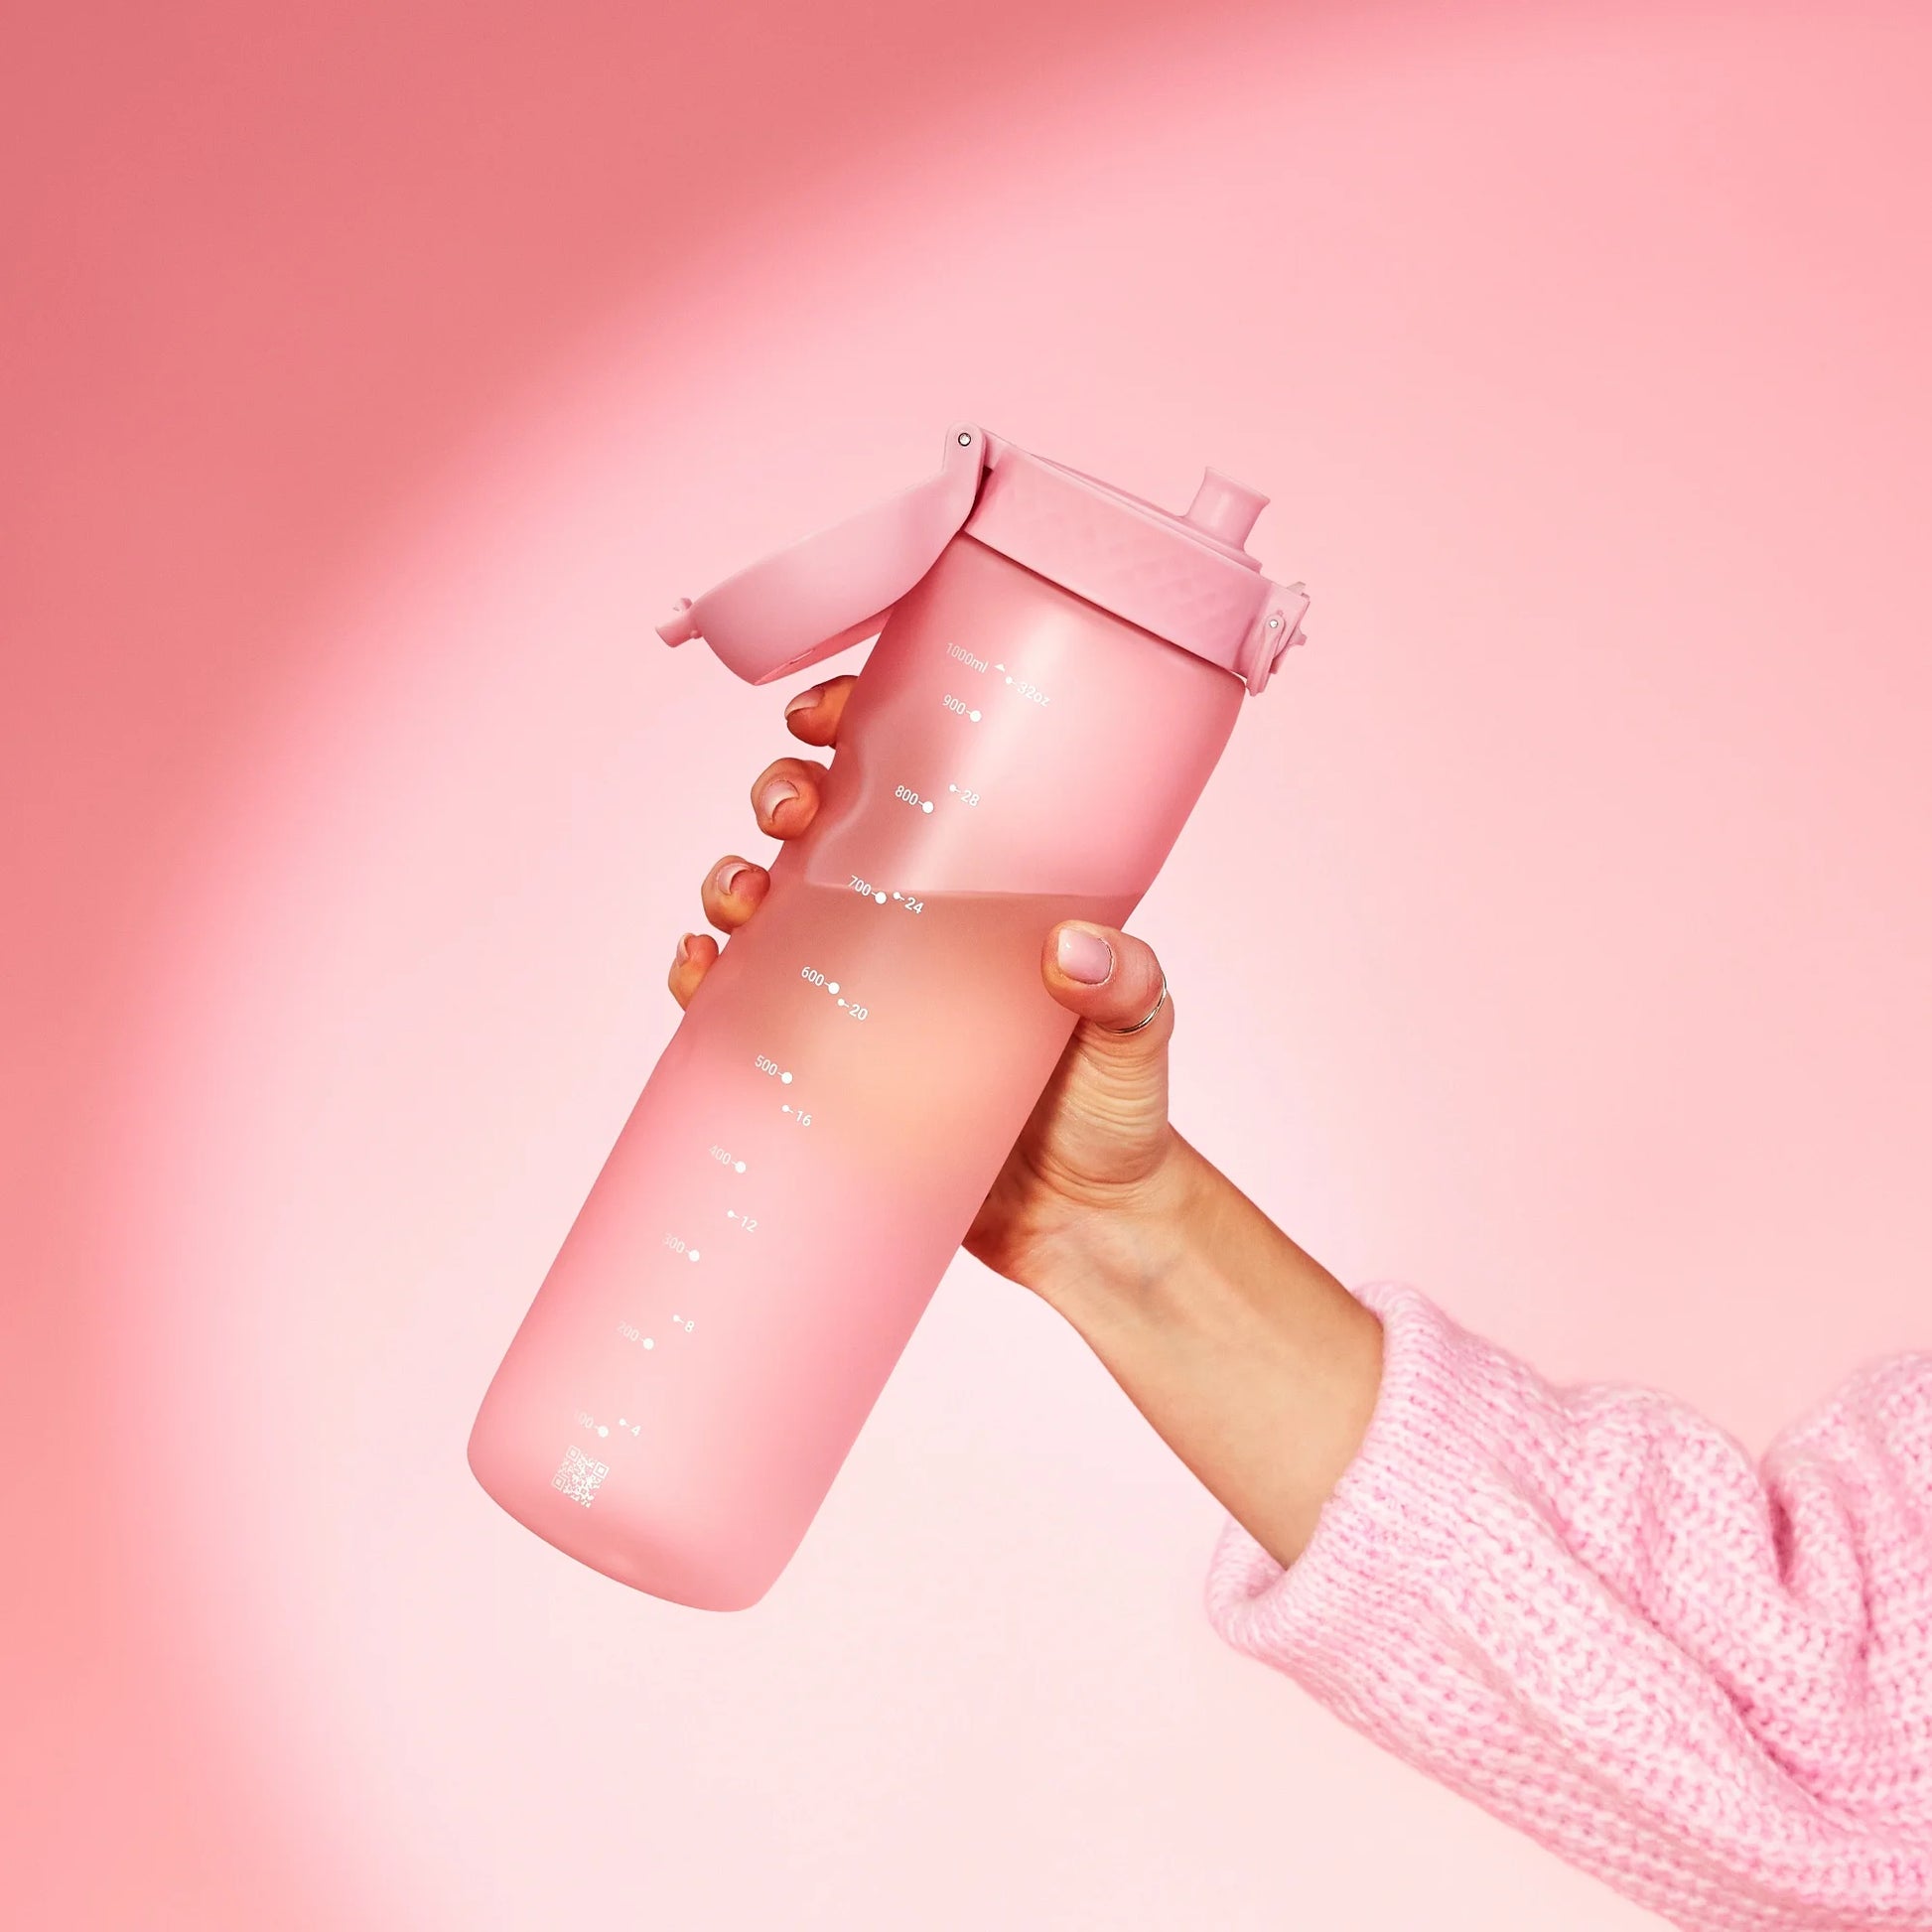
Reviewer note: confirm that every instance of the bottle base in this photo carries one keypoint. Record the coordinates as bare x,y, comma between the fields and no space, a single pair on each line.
623,1558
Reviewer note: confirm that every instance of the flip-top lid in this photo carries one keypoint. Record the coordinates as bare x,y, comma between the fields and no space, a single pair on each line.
1186,577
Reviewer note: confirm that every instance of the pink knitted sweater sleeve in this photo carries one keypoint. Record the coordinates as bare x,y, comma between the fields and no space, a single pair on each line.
1706,1680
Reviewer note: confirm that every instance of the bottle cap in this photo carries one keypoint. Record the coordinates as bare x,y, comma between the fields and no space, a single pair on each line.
1185,577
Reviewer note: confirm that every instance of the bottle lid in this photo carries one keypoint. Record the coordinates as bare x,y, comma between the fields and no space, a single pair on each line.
1186,577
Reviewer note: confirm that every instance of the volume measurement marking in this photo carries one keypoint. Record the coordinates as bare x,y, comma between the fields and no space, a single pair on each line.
907,796
1018,685
725,1154
630,1331
853,1009
880,896
585,1420
678,1246
767,1066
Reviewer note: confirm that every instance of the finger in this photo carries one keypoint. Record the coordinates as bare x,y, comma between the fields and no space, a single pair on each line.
785,797
732,890
696,955
814,714
1112,980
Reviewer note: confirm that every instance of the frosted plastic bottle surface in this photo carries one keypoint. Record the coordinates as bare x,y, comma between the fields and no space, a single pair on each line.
822,1128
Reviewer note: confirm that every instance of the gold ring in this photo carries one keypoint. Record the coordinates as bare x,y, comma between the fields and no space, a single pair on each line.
1153,1015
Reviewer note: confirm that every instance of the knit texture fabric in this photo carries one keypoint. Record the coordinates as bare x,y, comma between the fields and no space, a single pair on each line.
1706,1680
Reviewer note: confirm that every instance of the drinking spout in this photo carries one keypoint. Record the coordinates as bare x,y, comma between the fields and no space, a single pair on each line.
678,627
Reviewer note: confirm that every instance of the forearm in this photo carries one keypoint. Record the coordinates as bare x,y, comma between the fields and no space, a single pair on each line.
1255,1365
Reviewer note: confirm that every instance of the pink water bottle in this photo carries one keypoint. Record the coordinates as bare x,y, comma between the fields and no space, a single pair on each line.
1059,667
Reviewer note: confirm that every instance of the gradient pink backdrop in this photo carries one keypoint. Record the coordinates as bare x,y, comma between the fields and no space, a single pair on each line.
1556,935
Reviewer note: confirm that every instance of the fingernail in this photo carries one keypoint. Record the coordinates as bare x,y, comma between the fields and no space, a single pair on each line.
684,948
780,791
805,700
1084,956
729,874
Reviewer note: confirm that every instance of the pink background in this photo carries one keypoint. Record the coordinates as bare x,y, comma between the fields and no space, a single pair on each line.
1556,935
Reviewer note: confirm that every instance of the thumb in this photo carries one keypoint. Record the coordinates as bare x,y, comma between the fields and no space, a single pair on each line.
1114,982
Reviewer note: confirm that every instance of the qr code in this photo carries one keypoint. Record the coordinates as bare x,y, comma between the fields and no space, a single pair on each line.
578,1476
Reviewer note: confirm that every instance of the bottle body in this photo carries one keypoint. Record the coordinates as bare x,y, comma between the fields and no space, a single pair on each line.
818,1135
